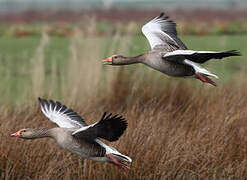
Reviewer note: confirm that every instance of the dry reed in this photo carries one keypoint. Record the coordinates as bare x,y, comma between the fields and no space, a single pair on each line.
176,129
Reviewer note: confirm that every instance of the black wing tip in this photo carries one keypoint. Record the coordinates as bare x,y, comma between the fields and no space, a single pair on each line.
48,102
234,53
42,101
116,124
120,126
165,17
162,16
113,117
105,116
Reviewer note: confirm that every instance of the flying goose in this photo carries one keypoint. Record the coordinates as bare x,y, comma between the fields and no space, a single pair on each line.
74,135
169,55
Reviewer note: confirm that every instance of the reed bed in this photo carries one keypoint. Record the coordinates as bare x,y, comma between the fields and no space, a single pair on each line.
177,128
174,132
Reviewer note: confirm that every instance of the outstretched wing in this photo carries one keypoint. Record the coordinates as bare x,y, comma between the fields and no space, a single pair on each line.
162,31
198,56
109,128
60,114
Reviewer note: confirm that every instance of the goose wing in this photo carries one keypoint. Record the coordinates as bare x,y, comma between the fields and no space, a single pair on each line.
162,31
60,114
198,56
109,128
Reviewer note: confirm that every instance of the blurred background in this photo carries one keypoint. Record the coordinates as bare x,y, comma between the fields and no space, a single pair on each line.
178,128
41,41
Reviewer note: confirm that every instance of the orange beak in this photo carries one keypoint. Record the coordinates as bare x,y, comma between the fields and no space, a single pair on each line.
108,61
16,134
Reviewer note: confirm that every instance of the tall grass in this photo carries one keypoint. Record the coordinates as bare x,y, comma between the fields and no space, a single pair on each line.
173,132
176,129
37,66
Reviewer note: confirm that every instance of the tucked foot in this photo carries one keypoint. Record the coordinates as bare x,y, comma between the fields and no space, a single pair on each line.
118,163
205,79
108,61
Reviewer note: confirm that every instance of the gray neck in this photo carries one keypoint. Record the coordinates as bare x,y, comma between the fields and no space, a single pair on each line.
39,133
128,60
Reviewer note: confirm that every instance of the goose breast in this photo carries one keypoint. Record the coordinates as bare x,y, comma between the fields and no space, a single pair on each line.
85,149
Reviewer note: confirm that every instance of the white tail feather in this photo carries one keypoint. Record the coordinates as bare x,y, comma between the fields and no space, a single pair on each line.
200,69
122,157
114,152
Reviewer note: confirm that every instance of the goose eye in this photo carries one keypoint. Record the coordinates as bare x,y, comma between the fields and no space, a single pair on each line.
24,131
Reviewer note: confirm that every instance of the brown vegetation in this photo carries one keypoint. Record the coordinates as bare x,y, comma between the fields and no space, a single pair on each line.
177,129
173,132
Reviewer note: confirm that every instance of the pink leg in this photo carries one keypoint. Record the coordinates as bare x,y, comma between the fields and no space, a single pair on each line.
205,79
117,162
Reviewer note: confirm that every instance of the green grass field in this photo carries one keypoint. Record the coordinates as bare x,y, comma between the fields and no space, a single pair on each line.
177,128
19,57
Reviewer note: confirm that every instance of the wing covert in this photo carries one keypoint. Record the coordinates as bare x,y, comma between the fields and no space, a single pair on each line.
60,114
198,56
160,31
109,128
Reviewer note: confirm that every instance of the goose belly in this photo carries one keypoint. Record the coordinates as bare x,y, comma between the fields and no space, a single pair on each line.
171,68
79,151
101,159
79,146
70,145
82,148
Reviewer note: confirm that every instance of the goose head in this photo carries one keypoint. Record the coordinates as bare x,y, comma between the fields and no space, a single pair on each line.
23,133
31,133
114,60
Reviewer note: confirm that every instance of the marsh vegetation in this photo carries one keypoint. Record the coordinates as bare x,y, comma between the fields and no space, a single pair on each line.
177,128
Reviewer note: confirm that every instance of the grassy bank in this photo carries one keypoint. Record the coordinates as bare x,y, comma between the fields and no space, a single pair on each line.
53,62
177,128
174,131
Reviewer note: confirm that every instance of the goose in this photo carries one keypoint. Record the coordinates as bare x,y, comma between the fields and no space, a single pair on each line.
74,135
169,54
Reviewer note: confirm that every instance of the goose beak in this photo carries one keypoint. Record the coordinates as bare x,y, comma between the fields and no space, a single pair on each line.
108,61
16,134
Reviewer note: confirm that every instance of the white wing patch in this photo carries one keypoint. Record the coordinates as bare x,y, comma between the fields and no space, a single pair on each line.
179,55
61,115
154,30
150,31
185,52
198,56
83,128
